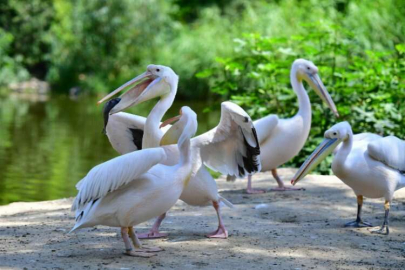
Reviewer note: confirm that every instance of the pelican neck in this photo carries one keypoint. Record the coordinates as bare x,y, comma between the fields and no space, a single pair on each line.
152,133
304,103
344,151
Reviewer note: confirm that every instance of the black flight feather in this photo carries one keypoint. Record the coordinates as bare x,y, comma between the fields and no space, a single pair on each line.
137,136
250,162
106,110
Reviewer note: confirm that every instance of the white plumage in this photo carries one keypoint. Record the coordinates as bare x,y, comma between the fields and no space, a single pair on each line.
134,188
111,175
231,147
119,131
367,163
282,139
390,151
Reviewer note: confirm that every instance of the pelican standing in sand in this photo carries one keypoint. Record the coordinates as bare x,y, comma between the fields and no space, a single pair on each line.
371,165
231,147
133,188
282,139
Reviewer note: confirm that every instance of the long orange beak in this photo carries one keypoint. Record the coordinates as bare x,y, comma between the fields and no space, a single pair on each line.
169,121
138,79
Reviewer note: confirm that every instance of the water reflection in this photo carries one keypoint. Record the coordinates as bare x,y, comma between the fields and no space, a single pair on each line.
46,146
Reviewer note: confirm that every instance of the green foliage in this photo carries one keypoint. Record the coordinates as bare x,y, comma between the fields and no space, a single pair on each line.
12,69
367,86
98,44
28,22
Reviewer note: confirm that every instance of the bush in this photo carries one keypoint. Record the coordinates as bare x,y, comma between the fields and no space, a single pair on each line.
367,86
12,69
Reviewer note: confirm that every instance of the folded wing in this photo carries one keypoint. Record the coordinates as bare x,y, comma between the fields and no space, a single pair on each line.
388,150
125,132
365,138
113,174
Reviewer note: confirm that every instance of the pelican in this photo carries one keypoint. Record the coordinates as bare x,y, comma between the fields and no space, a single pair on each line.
135,187
231,147
371,165
282,139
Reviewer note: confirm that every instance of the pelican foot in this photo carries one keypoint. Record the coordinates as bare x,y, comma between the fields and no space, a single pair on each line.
384,230
151,249
220,233
151,235
255,191
139,253
286,189
358,224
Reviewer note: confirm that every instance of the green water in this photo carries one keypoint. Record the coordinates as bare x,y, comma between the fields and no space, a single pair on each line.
47,146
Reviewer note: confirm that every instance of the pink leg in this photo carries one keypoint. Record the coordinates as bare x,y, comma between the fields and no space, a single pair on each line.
280,183
221,232
250,190
154,231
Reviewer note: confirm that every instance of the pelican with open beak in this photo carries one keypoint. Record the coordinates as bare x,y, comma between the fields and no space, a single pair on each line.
148,85
231,147
156,82
371,165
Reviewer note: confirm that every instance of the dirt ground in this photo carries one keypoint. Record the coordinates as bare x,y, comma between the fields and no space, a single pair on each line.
276,230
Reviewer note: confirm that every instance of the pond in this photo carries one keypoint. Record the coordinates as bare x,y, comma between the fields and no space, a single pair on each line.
47,145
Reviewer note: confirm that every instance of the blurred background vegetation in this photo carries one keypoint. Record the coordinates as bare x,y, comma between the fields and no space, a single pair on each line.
98,44
222,49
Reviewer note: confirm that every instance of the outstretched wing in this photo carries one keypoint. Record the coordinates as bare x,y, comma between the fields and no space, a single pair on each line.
388,150
232,147
113,174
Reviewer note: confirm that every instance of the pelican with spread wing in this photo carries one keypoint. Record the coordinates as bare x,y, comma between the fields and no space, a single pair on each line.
371,165
230,148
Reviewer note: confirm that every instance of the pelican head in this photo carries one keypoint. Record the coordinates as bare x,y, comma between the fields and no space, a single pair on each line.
156,81
333,137
185,127
307,71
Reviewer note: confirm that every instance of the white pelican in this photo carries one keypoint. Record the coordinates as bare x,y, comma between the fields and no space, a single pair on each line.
371,165
231,147
282,139
133,188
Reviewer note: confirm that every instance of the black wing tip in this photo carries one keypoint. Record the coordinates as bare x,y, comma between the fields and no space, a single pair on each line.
241,171
80,216
137,137
107,108
251,162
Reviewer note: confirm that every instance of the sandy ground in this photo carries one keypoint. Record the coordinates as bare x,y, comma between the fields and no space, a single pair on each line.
277,230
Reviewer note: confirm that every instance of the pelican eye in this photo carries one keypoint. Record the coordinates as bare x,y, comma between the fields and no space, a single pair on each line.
157,70
308,68
334,133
